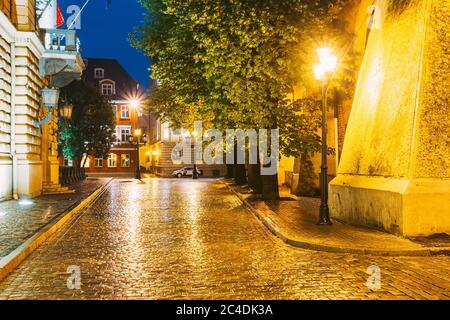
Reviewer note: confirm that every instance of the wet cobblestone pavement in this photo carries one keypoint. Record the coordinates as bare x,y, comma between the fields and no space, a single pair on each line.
18,222
184,239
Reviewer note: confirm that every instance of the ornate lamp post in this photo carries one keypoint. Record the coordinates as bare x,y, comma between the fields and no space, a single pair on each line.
194,173
138,133
134,104
323,72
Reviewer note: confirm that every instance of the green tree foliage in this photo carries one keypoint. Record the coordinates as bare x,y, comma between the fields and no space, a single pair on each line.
91,130
236,62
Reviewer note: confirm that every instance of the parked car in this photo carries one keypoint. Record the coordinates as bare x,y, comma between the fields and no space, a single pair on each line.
186,172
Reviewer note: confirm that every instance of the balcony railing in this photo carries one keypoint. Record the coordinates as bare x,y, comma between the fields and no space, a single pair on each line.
61,41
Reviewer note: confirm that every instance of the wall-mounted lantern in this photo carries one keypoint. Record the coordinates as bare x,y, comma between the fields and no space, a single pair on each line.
65,112
50,97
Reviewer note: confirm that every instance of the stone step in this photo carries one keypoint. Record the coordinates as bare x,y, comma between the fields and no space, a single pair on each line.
55,189
59,192
49,186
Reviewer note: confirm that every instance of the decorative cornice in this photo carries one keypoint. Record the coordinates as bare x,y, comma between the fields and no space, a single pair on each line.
28,39
7,28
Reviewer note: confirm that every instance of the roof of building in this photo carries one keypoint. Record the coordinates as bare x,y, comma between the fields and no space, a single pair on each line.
127,88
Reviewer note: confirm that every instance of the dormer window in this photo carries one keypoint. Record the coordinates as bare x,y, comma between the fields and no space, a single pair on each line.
107,89
99,73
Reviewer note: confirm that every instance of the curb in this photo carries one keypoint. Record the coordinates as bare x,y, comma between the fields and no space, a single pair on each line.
16,257
275,230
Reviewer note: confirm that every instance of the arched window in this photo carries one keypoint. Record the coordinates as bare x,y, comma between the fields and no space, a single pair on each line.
107,87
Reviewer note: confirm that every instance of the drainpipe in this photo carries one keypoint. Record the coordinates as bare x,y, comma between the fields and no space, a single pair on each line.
13,123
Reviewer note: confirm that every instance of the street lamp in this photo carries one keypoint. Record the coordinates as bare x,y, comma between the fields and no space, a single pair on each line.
134,104
138,133
323,72
194,173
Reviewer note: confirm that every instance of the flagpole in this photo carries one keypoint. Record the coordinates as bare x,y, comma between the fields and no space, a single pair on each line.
78,15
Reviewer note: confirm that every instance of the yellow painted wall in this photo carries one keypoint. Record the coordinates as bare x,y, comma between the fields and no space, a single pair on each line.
395,168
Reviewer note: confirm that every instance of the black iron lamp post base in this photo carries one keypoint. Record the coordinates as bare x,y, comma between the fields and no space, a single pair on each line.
324,219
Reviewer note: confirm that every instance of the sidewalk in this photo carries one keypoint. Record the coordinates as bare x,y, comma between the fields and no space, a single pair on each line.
293,219
21,221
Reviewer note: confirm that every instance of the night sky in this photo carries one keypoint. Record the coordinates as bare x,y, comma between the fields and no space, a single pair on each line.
104,33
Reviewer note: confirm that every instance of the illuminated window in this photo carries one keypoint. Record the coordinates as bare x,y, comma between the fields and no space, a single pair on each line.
125,134
124,112
112,160
85,161
125,160
115,111
107,89
99,73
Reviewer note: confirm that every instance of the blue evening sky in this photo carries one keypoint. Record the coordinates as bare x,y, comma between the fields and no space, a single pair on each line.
104,33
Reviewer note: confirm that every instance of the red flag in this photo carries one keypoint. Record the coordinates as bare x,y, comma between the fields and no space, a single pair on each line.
59,16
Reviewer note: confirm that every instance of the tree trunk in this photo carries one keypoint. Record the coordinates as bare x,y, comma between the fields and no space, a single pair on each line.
308,184
230,171
254,173
270,189
239,174
254,178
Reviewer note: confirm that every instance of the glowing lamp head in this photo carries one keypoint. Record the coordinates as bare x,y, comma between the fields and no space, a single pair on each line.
155,153
328,63
134,104
319,71
137,132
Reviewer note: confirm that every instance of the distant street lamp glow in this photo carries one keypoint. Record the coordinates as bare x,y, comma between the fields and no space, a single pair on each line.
134,104
138,132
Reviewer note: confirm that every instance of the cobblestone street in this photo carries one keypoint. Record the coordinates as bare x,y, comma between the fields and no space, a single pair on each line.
185,239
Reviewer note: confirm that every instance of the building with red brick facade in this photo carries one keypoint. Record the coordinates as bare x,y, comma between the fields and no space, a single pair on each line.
124,95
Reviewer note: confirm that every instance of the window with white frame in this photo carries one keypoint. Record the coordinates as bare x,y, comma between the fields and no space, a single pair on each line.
98,162
124,112
124,133
107,89
115,110
112,160
99,73
125,160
